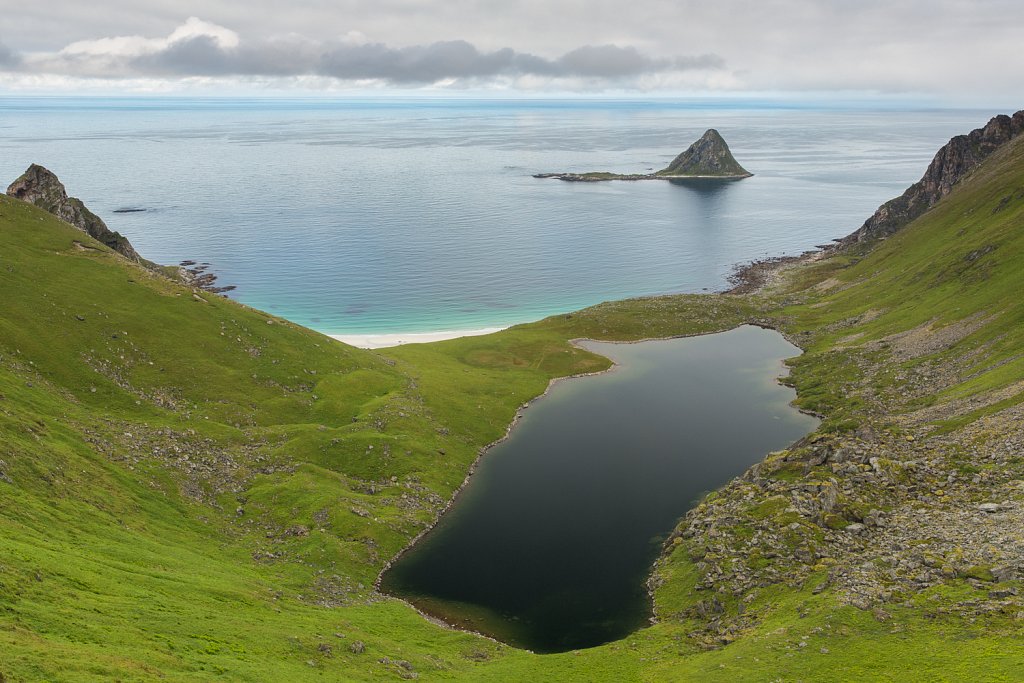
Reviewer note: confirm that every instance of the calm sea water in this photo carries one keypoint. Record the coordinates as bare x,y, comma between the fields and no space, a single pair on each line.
421,215
550,544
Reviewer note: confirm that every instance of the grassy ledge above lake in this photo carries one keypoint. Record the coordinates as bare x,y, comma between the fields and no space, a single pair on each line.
191,489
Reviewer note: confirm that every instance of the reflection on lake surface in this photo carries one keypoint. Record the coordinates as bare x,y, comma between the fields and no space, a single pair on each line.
550,544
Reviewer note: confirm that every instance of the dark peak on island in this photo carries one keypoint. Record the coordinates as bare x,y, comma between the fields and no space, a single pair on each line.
709,158
40,186
951,164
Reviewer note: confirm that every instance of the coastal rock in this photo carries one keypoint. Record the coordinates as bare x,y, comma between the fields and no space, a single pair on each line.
39,186
708,156
953,162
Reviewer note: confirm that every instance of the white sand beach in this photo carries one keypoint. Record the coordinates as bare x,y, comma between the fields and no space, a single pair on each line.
380,341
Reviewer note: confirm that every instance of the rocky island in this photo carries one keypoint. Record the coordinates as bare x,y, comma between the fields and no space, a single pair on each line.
709,158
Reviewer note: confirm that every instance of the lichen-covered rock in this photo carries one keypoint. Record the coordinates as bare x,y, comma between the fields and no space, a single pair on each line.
709,156
39,186
953,162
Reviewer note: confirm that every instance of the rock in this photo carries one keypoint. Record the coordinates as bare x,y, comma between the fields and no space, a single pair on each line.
357,648
1004,573
196,277
41,187
961,155
861,602
989,507
708,156
855,528
874,518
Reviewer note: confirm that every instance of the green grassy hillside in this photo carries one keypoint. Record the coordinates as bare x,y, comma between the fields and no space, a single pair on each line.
190,486
191,489
958,269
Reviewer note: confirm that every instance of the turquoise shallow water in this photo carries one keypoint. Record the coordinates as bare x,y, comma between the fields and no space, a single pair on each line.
378,216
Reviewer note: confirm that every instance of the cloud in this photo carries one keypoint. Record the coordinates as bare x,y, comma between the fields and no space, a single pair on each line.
610,61
948,49
202,49
193,28
416,64
8,58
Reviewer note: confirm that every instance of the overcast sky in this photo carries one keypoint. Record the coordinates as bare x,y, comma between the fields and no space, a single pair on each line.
951,51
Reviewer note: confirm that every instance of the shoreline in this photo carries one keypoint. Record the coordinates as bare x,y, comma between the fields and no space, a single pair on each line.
456,494
748,277
578,342
386,340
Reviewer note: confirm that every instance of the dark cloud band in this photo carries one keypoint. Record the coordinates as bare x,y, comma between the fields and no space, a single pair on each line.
204,55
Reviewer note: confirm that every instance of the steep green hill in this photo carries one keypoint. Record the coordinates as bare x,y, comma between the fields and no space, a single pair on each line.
191,489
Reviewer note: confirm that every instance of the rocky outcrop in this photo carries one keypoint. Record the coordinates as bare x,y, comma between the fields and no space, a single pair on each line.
708,157
41,187
951,164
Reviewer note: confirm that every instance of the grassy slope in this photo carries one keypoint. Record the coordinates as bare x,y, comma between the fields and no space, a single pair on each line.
165,457
962,261
311,463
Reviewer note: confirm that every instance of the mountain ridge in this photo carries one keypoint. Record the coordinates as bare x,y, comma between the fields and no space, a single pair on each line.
952,163
41,187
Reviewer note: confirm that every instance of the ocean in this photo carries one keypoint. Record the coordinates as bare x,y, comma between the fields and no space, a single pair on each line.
399,215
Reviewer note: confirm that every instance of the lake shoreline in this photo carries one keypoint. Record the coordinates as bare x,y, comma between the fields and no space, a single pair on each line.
747,278
465,482
520,411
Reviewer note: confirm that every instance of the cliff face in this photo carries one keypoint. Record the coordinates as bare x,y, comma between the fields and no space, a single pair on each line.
709,156
951,164
41,187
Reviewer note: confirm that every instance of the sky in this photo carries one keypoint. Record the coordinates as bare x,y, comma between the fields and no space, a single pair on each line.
965,52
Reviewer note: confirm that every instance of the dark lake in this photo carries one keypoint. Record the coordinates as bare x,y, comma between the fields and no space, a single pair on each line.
549,545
